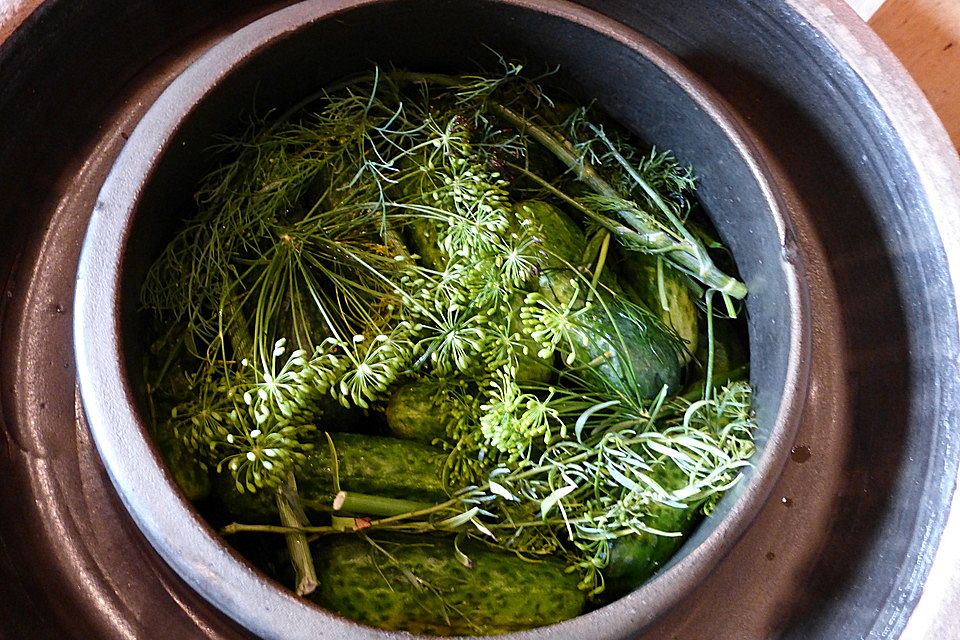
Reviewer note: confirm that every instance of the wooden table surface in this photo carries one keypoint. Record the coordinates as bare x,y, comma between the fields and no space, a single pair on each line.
925,35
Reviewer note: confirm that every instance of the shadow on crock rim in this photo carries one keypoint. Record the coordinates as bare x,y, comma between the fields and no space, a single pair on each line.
715,142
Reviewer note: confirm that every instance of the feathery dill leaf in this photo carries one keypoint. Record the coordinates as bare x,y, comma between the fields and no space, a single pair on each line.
381,233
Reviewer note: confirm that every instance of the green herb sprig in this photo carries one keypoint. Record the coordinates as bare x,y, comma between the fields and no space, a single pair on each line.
371,238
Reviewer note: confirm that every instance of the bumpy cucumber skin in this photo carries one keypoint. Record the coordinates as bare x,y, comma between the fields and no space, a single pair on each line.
561,242
611,329
192,478
415,411
423,235
635,558
376,465
681,315
651,361
611,326
500,594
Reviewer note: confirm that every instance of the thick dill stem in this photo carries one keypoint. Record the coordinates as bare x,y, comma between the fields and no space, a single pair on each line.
231,323
408,527
689,254
598,270
563,149
292,515
711,351
238,527
375,505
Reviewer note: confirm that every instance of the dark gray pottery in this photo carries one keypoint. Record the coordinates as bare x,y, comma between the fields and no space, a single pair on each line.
274,63
856,539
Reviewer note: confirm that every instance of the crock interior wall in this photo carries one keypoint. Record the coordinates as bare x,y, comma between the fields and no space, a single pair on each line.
466,35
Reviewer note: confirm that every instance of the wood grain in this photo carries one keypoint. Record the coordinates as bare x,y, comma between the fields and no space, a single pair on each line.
925,35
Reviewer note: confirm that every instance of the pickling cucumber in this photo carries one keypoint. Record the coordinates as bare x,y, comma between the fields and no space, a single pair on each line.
418,411
617,344
387,467
423,234
561,240
422,587
623,347
675,305
191,477
635,558
729,351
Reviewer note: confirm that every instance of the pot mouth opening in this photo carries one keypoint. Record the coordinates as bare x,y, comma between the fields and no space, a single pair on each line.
269,67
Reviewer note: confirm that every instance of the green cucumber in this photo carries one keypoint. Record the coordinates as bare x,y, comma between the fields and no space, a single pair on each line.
635,558
423,234
418,411
731,360
387,467
623,347
729,351
619,345
422,587
675,305
188,473
561,241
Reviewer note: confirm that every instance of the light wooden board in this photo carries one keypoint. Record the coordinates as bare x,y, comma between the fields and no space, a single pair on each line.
925,35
